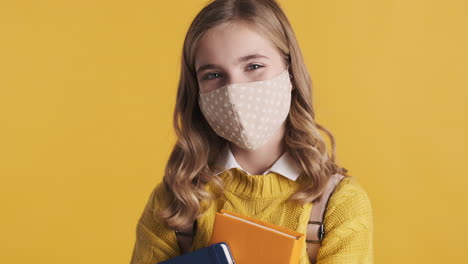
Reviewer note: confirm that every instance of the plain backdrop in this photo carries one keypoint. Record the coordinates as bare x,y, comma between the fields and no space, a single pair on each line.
87,91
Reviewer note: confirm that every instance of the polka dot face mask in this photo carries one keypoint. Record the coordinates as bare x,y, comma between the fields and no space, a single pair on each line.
248,114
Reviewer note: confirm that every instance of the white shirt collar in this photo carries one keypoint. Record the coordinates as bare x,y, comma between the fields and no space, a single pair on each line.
284,165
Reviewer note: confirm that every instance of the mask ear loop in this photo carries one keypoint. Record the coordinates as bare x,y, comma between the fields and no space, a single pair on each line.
287,68
288,58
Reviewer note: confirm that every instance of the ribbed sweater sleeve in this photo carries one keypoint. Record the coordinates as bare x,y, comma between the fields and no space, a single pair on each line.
155,241
349,226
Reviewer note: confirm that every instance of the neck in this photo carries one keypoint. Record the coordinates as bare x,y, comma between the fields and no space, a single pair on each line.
257,161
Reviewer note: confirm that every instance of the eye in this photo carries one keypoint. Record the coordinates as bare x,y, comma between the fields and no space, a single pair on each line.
260,66
208,76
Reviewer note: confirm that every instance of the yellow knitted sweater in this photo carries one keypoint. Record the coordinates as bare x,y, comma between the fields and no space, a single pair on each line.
348,218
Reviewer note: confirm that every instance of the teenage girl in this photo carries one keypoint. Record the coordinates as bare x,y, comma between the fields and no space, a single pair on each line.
248,142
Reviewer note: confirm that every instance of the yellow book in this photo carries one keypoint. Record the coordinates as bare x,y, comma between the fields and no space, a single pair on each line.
253,241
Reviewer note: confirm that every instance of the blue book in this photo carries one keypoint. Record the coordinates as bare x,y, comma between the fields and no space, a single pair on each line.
218,253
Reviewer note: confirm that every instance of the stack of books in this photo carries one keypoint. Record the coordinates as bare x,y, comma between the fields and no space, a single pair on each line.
243,239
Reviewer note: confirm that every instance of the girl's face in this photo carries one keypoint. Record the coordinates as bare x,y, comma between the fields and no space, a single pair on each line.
235,53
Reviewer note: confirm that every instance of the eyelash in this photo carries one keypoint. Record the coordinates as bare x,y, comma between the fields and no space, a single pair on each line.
206,76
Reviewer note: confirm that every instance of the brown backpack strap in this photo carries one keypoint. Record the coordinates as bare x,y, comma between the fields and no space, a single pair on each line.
185,237
315,227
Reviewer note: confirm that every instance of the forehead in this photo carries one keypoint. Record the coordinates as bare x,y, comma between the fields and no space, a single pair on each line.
227,42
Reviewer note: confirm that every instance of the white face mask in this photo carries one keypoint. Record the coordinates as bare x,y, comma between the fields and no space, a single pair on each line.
248,114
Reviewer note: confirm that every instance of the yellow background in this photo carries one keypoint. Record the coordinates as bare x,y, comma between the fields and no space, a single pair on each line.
87,90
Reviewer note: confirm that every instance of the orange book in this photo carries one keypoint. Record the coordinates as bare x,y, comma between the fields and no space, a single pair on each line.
253,241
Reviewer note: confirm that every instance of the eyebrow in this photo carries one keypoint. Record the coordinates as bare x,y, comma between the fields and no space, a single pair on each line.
239,60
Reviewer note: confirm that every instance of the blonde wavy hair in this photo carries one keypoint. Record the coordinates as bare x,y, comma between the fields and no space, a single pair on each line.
192,160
